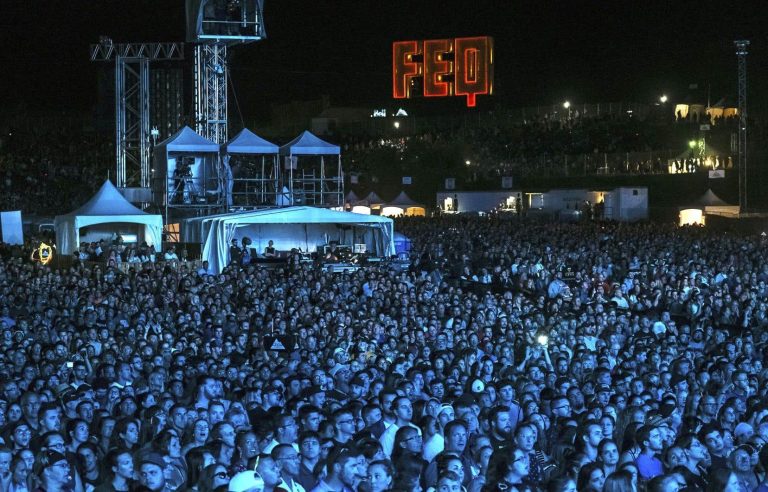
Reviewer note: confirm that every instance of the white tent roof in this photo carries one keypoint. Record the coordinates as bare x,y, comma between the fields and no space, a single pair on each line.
710,199
309,144
351,197
300,225
373,199
247,142
186,140
404,201
107,206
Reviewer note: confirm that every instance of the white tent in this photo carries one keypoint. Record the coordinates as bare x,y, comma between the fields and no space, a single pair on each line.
295,227
107,212
313,181
403,205
186,169
255,167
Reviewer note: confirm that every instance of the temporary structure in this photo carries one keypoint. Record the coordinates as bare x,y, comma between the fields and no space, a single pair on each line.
313,176
250,170
403,205
707,204
106,214
302,227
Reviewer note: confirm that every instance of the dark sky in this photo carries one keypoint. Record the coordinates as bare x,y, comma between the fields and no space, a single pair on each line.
546,51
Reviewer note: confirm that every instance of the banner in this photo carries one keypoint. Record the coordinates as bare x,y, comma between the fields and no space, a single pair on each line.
12,230
717,173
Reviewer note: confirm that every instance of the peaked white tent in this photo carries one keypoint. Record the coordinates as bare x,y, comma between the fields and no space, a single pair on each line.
403,205
707,204
186,169
255,169
110,210
295,227
313,183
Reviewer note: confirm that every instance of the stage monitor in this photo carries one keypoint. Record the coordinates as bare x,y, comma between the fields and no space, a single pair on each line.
225,20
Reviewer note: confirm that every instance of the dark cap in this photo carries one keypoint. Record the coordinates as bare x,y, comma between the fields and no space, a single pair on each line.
603,388
153,458
47,459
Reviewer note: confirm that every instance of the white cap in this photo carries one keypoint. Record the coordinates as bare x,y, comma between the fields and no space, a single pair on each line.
246,480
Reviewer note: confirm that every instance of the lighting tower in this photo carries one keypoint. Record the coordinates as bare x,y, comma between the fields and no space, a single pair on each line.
741,54
132,131
214,25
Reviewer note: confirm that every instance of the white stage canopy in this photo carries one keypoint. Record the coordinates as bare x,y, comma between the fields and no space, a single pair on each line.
293,227
110,210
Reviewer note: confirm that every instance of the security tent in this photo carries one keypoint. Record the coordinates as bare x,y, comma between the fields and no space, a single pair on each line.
107,213
295,227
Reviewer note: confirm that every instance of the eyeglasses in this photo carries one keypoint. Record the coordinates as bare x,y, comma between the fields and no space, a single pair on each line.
221,475
415,436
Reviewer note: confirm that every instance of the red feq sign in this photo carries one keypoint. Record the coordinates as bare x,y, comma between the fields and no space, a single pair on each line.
447,67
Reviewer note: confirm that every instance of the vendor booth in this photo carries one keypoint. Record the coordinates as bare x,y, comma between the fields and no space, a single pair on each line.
105,216
186,172
250,170
308,229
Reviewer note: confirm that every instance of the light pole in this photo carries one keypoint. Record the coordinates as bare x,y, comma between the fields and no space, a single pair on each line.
567,105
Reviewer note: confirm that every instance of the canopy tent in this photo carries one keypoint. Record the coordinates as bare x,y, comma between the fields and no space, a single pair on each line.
247,142
252,177
724,108
106,213
295,227
354,204
373,200
313,183
308,144
403,205
707,204
351,197
712,204
186,169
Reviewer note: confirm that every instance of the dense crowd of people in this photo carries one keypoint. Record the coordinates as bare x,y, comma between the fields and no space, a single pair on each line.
552,145
510,356
35,165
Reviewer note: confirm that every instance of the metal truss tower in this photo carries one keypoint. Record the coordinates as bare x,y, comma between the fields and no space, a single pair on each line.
132,131
211,91
741,54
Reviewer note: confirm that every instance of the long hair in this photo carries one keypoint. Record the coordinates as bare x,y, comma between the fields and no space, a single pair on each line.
195,459
499,465
618,481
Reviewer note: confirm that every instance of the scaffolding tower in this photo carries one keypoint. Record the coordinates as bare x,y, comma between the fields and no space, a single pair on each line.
132,126
741,55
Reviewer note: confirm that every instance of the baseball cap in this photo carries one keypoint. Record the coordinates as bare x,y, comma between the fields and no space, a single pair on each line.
153,458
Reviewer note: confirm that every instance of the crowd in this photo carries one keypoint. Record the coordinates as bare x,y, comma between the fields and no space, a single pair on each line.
34,165
547,145
510,356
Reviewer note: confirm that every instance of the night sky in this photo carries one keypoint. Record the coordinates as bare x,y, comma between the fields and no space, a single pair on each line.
546,51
